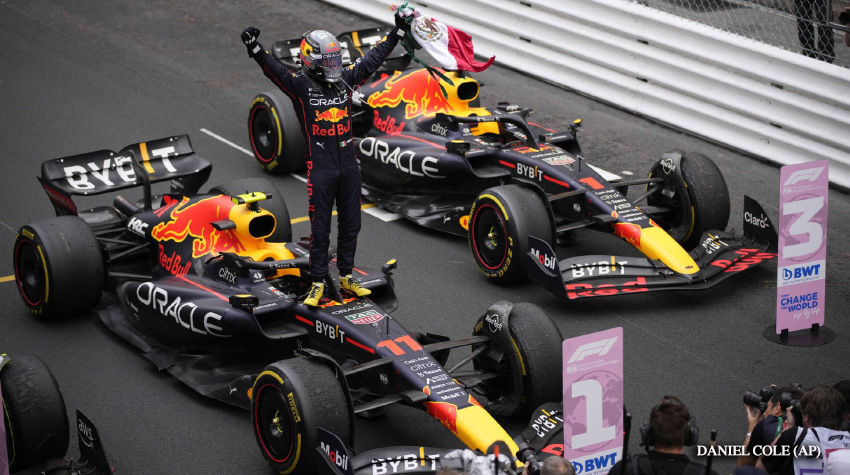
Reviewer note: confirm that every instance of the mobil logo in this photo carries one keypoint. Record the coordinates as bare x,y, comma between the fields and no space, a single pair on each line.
418,91
192,220
545,259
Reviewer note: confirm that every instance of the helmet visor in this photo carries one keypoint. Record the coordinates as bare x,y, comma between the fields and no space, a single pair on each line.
331,65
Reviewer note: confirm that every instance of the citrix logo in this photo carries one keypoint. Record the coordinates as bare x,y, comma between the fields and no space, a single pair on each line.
809,174
601,348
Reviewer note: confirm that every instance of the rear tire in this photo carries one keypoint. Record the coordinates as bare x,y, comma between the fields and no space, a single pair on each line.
501,219
275,134
276,205
58,267
538,341
709,198
289,400
36,420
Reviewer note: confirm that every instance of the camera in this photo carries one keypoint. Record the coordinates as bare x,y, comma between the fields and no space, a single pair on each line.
844,17
759,399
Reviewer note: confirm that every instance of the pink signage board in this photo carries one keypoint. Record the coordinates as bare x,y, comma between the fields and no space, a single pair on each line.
800,280
593,401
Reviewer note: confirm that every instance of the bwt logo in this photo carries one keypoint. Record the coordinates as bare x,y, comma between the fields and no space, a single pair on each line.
600,348
809,174
800,272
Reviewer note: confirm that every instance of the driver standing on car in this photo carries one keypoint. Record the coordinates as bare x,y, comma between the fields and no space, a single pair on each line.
321,95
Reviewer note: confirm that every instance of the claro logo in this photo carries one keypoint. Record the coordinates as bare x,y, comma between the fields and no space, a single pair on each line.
762,221
600,348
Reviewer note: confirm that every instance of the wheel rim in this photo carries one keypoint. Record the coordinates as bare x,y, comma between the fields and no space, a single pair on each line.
29,272
674,221
273,423
263,134
493,389
489,237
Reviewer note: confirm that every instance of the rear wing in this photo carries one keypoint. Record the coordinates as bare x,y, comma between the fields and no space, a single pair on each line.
355,44
104,171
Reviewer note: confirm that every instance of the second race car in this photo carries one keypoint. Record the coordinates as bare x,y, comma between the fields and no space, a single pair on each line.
429,152
208,287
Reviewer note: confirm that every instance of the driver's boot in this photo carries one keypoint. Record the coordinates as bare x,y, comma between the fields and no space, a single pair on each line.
315,294
348,284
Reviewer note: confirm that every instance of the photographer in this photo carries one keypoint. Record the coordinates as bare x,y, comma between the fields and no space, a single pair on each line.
669,430
844,388
766,418
808,446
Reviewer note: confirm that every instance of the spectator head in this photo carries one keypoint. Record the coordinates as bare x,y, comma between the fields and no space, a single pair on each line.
669,421
557,466
844,388
822,406
774,404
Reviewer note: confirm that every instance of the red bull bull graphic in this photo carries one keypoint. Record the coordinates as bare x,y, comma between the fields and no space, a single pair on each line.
444,412
630,232
194,220
418,90
332,115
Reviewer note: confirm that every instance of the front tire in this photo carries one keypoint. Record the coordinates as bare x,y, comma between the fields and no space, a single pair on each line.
501,219
703,184
276,205
36,419
275,134
289,400
536,340
58,267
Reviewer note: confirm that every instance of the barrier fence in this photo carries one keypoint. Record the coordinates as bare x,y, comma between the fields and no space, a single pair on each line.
691,64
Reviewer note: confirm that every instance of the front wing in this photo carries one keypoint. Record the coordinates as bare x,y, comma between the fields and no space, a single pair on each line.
719,256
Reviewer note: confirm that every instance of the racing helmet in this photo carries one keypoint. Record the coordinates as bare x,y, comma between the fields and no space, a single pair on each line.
321,55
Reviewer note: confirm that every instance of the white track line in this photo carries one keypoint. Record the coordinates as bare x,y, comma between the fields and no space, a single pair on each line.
379,213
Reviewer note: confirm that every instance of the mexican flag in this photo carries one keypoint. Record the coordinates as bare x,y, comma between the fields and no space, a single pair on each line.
450,47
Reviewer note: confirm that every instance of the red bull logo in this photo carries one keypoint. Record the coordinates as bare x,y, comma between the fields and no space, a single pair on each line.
332,115
444,412
419,92
193,220
630,232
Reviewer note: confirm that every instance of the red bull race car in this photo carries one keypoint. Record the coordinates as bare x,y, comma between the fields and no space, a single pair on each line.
210,288
429,152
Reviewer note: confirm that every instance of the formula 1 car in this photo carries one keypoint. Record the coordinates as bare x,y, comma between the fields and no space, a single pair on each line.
208,286
514,188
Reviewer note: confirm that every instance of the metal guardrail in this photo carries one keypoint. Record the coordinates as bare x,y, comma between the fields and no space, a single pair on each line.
756,98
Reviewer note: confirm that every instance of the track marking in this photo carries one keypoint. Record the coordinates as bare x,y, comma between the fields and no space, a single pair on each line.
383,215
8,278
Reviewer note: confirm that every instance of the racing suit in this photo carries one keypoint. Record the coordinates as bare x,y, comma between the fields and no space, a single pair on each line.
324,111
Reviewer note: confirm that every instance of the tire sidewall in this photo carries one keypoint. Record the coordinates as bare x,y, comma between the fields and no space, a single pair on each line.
522,213
288,153
72,262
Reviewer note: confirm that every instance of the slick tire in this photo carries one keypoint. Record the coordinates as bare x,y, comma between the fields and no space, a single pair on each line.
289,400
276,205
59,267
34,409
709,198
501,219
537,341
275,134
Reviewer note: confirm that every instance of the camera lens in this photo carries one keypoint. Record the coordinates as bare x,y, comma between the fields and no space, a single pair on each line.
752,399
844,17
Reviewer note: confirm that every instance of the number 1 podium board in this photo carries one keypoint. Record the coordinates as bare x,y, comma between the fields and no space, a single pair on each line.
593,401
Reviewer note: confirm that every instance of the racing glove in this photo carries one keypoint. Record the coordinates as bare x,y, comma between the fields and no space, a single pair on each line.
249,37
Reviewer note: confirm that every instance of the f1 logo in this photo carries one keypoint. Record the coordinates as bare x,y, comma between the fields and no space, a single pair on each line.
600,348
809,174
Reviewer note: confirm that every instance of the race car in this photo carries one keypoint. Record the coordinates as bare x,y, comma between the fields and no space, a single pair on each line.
209,287
429,152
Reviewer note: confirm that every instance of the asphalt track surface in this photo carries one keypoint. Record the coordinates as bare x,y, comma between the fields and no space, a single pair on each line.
89,75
